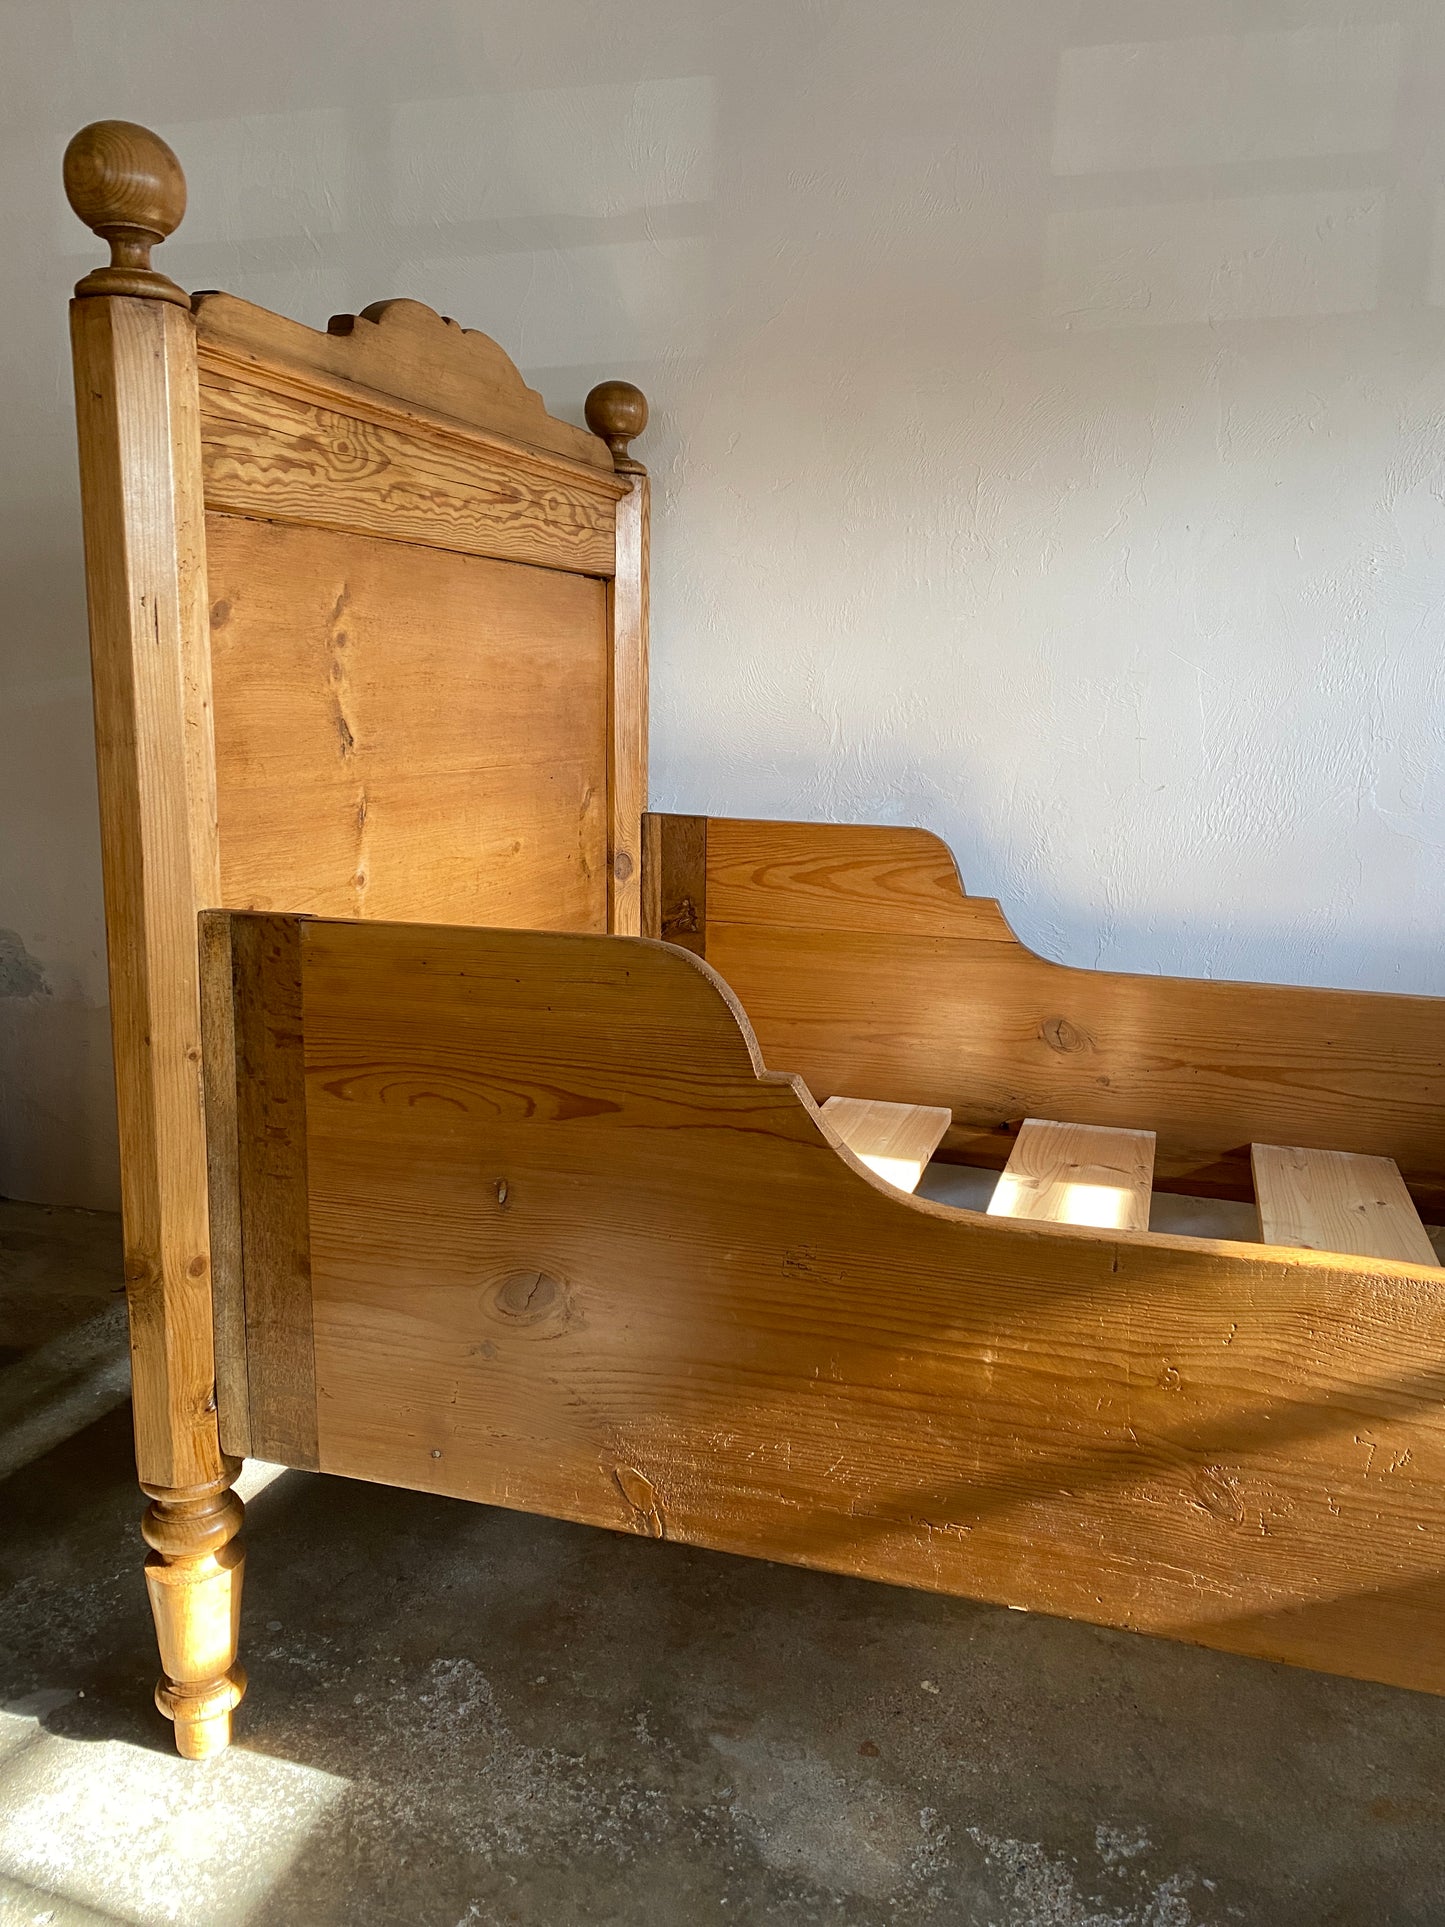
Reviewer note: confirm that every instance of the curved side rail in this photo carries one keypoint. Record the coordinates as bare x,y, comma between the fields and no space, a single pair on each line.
546,1235
865,967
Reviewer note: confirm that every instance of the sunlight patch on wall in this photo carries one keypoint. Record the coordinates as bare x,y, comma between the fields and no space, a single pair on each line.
500,156
1268,255
615,302
1227,98
264,176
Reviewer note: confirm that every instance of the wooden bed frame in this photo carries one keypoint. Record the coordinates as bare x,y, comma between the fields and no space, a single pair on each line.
439,1170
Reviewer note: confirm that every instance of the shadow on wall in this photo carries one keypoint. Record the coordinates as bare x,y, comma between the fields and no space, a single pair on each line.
57,1094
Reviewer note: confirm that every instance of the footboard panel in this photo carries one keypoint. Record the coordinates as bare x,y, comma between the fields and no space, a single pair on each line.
527,1221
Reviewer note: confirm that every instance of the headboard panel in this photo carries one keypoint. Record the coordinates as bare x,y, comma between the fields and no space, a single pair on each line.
411,647
405,732
369,633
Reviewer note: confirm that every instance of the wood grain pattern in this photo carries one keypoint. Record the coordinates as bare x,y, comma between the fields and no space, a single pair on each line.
404,350
1077,1174
534,1287
1335,1201
135,387
269,454
895,1141
403,732
275,1228
864,968
194,1572
842,876
627,621
126,185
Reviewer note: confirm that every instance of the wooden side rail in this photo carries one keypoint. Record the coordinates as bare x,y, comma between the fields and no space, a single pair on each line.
864,967
555,1239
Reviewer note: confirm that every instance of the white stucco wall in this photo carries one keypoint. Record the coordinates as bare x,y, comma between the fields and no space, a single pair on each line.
1048,404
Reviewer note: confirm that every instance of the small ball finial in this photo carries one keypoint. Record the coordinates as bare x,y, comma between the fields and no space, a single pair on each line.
618,413
127,186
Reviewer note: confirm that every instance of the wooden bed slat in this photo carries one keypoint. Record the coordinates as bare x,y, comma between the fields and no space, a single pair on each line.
1337,1201
1078,1174
895,1141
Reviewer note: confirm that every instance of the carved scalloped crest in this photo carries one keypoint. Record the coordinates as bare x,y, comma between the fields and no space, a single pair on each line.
405,349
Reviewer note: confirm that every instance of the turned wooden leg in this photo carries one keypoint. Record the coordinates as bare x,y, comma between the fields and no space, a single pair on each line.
193,1576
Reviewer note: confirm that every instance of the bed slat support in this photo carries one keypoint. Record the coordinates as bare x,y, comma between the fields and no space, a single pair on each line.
1077,1174
895,1141
1337,1201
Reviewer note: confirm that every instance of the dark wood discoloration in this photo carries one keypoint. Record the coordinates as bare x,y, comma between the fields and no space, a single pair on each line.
677,863
228,1290
275,1230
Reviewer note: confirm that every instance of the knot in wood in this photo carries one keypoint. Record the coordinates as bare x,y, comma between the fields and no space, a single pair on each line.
1060,1035
530,1297
683,918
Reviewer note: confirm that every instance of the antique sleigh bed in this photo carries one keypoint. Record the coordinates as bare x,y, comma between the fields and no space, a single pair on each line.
441,1169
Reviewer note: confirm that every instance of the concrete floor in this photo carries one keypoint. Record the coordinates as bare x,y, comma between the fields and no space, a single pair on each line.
458,1715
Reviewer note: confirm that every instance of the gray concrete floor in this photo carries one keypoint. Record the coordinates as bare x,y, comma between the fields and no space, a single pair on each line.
459,1715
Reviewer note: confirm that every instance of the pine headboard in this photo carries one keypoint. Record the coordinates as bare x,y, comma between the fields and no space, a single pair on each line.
369,639
411,629
411,609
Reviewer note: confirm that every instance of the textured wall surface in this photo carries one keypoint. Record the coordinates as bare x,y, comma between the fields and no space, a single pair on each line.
1048,406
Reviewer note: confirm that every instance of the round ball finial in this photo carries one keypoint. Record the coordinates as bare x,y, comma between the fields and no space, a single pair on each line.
618,413
127,186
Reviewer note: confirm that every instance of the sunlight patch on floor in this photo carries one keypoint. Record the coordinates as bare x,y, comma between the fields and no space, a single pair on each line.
145,1837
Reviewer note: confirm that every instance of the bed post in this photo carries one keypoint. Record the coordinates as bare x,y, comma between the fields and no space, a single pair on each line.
618,413
137,407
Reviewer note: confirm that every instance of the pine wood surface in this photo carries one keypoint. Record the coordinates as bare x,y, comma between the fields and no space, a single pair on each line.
1335,1201
863,967
402,350
627,622
223,1183
268,454
573,1251
895,1141
127,186
145,569
275,1223
402,732
1077,1174
137,418
674,881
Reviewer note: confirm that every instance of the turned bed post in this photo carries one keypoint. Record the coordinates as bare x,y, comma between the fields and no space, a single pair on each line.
140,455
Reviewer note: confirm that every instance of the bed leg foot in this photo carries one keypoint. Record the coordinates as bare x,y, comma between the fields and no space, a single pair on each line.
193,1576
